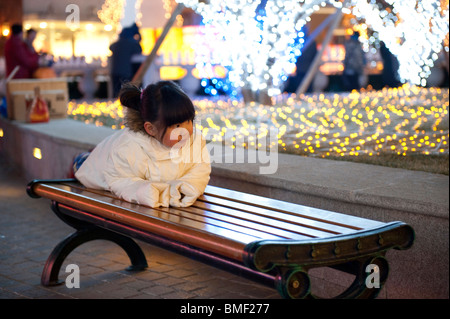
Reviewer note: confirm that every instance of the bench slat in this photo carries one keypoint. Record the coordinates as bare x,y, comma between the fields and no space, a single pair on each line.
264,230
274,225
293,210
318,222
190,217
228,244
209,216
297,224
258,222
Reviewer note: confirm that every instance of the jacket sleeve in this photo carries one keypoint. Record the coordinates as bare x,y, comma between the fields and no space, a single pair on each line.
125,178
139,191
185,190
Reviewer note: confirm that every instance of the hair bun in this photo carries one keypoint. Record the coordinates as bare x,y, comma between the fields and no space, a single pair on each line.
130,96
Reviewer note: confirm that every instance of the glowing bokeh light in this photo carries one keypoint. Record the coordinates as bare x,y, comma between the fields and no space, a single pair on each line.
402,121
111,12
259,47
413,31
256,40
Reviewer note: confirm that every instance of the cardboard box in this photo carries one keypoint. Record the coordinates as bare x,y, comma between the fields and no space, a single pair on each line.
54,91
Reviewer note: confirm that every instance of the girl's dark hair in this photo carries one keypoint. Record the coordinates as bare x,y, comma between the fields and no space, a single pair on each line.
163,104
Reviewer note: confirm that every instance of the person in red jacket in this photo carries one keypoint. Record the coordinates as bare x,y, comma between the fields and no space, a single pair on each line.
17,54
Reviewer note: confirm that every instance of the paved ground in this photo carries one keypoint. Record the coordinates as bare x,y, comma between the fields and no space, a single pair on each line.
29,231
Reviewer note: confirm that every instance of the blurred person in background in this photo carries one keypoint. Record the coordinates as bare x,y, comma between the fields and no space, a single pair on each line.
354,63
390,67
29,39
121,64
18,55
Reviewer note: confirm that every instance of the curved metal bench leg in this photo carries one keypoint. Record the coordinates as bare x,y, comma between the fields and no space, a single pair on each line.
81,236
294,283
362,287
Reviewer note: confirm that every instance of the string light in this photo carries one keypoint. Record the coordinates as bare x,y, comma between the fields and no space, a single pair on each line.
413,31
169,6
402,121
255,40
259,48
111,12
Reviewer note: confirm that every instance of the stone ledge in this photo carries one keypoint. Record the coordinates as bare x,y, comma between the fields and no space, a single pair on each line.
418,192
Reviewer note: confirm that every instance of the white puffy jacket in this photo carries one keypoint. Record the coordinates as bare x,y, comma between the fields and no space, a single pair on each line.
139,169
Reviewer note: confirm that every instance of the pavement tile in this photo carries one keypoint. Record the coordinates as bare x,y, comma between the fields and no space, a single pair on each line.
158,290
169,281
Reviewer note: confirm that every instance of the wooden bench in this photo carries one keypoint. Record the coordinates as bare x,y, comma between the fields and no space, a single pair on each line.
270,241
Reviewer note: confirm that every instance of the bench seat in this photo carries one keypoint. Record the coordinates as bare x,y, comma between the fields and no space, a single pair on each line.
268,240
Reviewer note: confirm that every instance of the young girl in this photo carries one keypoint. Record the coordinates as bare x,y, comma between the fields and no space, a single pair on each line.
157,160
